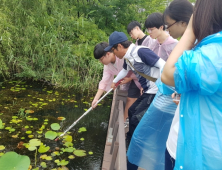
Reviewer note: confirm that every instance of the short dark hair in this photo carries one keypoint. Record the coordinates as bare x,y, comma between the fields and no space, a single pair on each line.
179,10
155,20
132,25
125,44
99,50
207,18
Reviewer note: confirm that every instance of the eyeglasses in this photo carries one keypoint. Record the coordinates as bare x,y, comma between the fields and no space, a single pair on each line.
168,26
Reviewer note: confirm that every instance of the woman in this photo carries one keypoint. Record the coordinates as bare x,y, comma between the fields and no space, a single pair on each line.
178,12
148,143
196,74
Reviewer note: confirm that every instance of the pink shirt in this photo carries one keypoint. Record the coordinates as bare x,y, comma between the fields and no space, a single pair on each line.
163,50
110,70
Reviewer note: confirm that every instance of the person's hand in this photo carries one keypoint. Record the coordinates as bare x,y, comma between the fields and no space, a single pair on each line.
141,91
94,103
176,102
113,86
126,80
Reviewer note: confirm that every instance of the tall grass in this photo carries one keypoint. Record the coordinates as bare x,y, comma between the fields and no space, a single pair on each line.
44,39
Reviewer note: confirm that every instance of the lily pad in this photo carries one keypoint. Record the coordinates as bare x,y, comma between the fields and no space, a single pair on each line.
43,164
57,161
48,158
1,124
28,132
29,111
17,162
43,149
30,136
2,147
50,135
63,162
69,149
55,126
80,153
82,129
68,144
90,152
61,118
34,142
71,157
67,138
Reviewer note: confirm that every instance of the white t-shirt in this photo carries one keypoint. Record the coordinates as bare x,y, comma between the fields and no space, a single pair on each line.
171,143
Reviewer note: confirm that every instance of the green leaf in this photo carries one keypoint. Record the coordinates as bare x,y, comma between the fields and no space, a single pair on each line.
63,162
14,161
43,149
71,157
50,135
34,142
80,153
68,144
82,129
69,149
90,152
43,164
2,147
55,126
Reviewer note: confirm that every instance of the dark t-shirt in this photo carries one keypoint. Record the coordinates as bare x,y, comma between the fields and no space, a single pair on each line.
140,41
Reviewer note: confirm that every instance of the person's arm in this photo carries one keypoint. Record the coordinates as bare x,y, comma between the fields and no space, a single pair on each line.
97,97
120,76
185,43
150,58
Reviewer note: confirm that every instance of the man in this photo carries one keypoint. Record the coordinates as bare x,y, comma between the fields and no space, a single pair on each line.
139,59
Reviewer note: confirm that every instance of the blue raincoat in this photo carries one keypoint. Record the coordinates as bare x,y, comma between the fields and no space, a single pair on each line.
198,77
148,144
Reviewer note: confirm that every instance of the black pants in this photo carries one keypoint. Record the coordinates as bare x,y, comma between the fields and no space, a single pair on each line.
136,112
131,166
169,161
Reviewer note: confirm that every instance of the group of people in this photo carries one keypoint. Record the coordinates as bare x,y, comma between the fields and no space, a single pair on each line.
163,133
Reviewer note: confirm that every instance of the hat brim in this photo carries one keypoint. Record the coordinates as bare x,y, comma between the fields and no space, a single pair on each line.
108,48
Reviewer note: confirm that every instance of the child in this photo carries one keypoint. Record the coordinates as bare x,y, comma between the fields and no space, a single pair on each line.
112,66
139,59
196,74
148,143
134,30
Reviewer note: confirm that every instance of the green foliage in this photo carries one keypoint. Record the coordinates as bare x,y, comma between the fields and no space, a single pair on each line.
54,40
46,40
12,160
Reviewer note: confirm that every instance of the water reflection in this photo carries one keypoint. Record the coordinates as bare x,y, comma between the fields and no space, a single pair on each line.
50,103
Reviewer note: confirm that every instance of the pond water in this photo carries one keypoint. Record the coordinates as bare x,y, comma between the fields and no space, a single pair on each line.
47,104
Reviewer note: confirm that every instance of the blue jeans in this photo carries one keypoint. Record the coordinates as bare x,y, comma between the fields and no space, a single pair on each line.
169,161
136,112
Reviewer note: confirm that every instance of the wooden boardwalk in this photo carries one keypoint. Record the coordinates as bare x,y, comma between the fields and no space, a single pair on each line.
115,149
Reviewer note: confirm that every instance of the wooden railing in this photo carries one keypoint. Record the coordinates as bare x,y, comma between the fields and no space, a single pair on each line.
115,149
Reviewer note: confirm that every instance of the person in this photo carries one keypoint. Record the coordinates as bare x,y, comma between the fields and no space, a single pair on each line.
134,30
112,66
164,42
139,59
148,143
195,71
176,17
178,12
